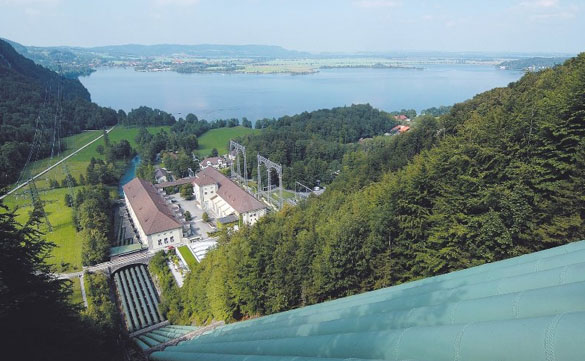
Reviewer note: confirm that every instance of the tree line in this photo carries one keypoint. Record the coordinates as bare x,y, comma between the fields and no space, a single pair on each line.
93,219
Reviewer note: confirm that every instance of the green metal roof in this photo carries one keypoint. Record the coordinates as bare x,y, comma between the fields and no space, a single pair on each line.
162,335
528,308
121,250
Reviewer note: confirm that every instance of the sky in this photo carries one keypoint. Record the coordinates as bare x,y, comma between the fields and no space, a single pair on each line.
529,26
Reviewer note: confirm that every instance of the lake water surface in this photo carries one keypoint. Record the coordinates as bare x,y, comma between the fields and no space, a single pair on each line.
213,96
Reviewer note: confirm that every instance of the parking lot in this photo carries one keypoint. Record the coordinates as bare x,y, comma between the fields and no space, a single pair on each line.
198,227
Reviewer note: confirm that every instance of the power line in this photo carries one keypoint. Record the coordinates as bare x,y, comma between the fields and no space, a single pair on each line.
269,165
239,148
37,204
59,114
34,155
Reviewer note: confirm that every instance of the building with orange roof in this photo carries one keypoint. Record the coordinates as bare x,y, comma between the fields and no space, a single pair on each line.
154,221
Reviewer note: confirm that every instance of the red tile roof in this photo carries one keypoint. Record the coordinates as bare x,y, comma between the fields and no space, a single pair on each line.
400,129
149,206
202,179
230,192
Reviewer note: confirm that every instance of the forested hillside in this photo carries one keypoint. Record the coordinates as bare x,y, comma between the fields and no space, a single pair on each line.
29,94
311,145
501,175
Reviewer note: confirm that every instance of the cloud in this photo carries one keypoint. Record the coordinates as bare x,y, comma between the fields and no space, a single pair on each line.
540,4
29,2
545,10
176,2
450,24
32,12
556,15
375,4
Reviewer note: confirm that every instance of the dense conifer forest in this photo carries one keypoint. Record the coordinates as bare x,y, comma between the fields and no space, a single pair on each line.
500,175
311,145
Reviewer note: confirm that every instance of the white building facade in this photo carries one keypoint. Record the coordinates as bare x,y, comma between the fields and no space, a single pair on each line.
219,194
154,221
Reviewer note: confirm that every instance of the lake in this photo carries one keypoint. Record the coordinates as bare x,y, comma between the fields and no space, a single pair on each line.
213,95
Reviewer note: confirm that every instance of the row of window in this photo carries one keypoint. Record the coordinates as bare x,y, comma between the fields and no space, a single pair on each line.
166,240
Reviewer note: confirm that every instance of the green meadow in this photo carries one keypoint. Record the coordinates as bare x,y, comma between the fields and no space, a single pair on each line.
66,255
220,138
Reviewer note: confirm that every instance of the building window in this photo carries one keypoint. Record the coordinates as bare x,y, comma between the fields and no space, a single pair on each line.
166,240
159,242
172,238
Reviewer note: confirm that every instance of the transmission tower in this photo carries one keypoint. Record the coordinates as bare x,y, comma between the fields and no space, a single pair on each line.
37,203
239,149
27,177
69,180
270,165
57,131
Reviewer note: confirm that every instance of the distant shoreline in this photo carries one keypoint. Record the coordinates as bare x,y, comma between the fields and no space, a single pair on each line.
261,72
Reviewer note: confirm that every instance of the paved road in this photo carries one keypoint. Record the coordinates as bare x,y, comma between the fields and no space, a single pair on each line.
81,281
54,165
121,261
118,262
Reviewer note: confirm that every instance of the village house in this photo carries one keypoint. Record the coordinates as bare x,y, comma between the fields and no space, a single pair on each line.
162,175
215,162
402,118
399,129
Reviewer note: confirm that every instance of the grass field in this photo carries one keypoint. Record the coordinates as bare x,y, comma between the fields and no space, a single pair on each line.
188,256
67,253
220,138
76,297
66,256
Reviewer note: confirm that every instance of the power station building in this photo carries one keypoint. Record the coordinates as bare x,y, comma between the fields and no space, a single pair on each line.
152,218
222,196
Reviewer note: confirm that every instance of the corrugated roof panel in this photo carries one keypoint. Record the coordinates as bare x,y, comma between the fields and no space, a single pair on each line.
526,308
